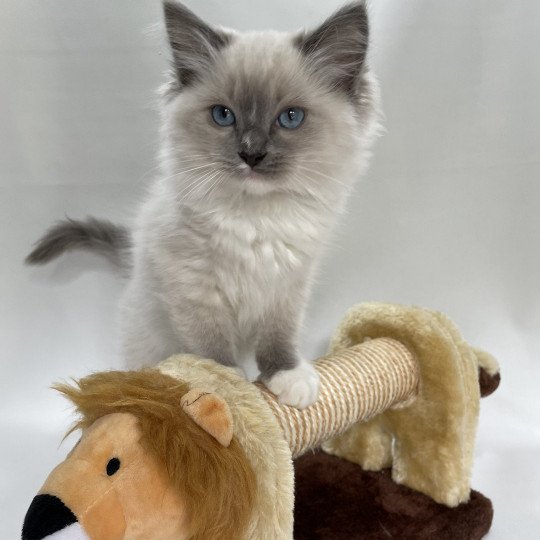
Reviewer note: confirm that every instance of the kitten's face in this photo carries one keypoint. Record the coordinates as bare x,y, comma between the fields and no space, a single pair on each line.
257,115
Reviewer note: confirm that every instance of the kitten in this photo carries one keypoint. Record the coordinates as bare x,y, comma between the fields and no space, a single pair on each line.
263,136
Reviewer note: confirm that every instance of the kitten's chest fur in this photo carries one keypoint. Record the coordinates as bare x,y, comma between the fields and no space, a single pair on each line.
237,258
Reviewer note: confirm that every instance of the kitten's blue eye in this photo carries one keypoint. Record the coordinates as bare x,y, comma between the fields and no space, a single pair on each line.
291,117
222,115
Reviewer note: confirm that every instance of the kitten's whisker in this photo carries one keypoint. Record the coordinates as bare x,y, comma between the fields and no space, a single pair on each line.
193,157
192,188
209,181
186,166
314,196
202,182
215,184
183,171
310,161
322,175
193,180
176,175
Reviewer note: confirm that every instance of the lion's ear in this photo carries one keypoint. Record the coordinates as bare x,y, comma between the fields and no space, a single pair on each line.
211,413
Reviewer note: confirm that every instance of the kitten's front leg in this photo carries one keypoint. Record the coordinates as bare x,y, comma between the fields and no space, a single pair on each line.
294,381
205,331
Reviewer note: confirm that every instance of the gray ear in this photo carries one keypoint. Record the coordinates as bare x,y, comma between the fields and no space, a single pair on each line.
337,49
194,43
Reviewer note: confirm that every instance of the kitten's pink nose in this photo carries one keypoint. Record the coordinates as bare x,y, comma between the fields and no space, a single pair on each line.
252,159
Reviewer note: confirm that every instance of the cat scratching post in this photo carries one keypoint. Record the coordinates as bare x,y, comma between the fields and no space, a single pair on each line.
357,383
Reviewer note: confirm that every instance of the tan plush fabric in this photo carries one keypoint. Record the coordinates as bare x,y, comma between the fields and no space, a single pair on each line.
356,384
259,434
433,437
487,362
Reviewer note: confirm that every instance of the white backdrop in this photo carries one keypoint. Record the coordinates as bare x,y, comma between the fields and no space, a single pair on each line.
448,216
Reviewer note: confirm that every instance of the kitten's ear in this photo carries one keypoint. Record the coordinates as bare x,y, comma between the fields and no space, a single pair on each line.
194,43
337,49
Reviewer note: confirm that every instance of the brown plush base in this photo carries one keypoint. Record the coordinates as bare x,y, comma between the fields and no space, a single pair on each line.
337,500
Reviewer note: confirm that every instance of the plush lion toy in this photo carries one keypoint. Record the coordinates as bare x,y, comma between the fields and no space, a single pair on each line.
145,463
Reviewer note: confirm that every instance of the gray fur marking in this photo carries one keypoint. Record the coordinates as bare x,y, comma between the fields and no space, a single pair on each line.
276,356
339,46
193,42
100,236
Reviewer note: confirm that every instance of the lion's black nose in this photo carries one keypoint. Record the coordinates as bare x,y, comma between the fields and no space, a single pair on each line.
46,515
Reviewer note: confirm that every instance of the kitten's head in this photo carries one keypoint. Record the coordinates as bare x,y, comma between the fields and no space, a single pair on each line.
264,112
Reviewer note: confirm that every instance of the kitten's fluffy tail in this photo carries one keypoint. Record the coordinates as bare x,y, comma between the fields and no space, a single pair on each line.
101,236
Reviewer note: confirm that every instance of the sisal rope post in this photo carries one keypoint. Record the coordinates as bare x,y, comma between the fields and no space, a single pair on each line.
357,383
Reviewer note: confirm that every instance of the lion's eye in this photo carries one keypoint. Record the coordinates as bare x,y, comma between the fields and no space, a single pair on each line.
113,466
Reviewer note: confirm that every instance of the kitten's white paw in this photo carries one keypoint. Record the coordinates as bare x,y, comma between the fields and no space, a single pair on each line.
298,387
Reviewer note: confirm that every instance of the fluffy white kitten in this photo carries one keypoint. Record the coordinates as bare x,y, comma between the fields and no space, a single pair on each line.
263,135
